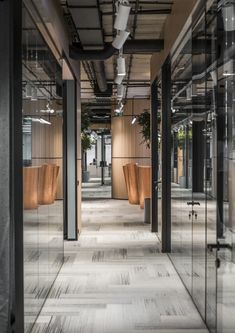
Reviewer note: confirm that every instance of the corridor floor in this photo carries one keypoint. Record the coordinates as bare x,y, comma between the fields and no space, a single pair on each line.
115,280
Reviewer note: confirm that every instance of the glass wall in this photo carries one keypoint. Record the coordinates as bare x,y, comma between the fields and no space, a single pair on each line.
226,166
42,169
181,182
202,188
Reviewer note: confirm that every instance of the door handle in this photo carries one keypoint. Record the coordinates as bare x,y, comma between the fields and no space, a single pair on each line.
218,246
193,203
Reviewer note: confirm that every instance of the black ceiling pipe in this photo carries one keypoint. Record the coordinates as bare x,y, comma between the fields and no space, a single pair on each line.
147,46
77,53
100,75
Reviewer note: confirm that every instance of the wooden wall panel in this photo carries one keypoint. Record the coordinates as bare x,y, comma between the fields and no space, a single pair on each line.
118,181
126,145
175,22
47,147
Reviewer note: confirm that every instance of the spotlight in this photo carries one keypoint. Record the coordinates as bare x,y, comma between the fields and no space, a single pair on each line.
43,121
133,120
120,39
120,90
119,78
121,66
122,17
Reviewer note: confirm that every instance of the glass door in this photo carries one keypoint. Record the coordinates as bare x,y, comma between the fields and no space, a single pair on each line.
210,163
226,168
181,175
198,204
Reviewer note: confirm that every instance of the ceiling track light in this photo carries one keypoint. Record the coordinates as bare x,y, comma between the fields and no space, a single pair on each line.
120,39
120,91
133,120
122,16
121,66
119,78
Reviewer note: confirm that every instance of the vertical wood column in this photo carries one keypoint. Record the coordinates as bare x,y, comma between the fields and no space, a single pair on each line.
11,194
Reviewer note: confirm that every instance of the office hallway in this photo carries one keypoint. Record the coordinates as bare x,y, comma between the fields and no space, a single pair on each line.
115,280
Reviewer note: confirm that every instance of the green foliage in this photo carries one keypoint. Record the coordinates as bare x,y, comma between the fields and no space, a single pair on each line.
144,122
181,136
86,142
86,139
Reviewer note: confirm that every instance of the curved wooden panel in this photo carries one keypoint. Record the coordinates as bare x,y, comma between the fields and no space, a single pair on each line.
55,181
45,185
126,177
144,176
30,187
119,190
133,195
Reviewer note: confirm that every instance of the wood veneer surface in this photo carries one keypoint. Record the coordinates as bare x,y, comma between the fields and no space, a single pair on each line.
47,184
132,171
144,177
127,146
30,187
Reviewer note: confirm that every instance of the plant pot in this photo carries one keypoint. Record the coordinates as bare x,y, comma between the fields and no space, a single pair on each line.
85,176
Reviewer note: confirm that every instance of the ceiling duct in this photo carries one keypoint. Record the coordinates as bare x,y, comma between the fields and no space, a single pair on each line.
131,46
100,75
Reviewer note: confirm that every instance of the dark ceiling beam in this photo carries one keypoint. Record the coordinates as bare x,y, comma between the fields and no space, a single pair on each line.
145,46
138,46
149,2
166,11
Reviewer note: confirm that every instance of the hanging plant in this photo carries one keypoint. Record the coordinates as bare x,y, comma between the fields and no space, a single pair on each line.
144,121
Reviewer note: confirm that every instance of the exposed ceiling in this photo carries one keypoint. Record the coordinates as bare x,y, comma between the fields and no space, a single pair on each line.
91,24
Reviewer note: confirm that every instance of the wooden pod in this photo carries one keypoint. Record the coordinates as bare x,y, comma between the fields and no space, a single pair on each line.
133,183
45,185
30,187
144,177
126,177
55,181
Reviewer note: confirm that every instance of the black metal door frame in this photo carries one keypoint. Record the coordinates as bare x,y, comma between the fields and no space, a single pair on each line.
154,155
11,183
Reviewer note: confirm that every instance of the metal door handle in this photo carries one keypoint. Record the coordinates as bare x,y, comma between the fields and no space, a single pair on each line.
219,246
193,203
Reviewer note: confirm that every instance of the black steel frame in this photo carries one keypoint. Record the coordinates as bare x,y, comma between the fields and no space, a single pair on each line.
70,159
11,156
154,154
166,156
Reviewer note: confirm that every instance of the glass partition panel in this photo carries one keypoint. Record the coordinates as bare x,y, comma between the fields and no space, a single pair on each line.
181,175
199,164
211,162
226,167
42,169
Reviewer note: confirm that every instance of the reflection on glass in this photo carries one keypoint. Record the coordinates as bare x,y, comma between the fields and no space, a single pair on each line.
226,167
42,169
181,183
